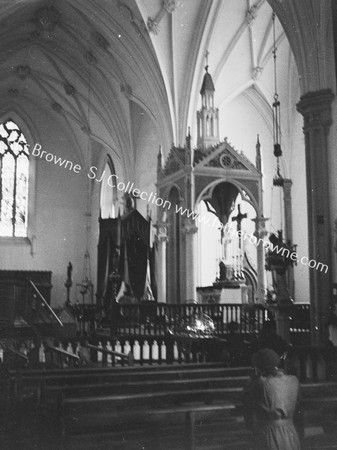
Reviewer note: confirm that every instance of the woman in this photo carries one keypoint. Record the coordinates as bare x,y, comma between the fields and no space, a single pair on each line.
270,404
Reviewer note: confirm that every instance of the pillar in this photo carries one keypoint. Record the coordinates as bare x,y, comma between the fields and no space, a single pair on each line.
316,110
190,230
162,238
260,233
288,229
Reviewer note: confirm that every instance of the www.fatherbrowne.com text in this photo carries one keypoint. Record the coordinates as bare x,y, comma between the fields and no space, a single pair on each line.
112,181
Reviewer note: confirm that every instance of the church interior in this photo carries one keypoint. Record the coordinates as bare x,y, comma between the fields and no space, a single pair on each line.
168,193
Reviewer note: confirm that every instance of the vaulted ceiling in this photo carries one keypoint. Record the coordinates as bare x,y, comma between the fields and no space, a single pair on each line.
81,61
97,64
239,38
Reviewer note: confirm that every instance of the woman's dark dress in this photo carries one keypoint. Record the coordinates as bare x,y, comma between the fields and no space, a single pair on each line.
270,404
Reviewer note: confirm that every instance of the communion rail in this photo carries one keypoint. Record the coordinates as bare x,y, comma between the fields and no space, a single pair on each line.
309,364
153,319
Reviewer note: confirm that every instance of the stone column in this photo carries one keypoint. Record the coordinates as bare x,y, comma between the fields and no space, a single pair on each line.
190,230
162,238
260,233
288,229
316,110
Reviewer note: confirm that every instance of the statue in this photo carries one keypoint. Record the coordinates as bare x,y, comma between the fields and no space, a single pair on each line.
223,271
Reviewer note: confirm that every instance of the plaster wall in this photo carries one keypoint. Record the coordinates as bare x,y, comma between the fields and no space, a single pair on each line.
241,123
60,205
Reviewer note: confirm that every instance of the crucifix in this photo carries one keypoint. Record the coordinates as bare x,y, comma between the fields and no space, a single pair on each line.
238,219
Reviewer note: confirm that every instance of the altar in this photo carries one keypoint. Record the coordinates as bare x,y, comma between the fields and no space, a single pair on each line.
230,293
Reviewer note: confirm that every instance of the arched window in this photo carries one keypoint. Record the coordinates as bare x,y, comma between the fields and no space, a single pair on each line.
108,192
14,174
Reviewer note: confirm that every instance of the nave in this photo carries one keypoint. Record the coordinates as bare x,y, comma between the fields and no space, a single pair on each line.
97,398
134,134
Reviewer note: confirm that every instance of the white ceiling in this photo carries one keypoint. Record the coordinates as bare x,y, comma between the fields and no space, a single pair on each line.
92,63
239,37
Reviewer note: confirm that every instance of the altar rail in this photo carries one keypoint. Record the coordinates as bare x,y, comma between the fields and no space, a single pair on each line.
153,319
66,353
309,364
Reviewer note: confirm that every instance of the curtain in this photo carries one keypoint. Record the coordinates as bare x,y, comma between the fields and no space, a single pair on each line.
108,249
136,234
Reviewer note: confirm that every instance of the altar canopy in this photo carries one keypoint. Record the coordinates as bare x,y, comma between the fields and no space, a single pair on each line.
214,173
222,200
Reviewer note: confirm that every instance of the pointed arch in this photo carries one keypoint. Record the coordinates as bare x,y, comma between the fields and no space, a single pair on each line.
17,175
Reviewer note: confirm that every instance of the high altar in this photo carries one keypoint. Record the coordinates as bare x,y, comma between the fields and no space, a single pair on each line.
214,173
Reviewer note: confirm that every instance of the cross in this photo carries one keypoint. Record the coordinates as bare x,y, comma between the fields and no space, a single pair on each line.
239,219
206,59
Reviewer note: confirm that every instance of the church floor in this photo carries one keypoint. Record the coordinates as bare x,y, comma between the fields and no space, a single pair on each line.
30,432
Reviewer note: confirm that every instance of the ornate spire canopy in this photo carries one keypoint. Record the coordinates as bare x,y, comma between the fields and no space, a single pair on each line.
208,116
207,84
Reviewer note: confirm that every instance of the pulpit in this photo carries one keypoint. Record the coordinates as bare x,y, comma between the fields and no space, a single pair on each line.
16,299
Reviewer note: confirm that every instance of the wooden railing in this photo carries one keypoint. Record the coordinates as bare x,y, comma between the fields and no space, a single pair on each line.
312,364
157,319
309,364
87,318
300,324
104,351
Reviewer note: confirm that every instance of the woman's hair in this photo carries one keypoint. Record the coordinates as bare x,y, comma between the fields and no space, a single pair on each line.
267,361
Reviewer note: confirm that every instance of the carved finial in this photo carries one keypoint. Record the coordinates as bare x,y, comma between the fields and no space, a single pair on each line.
188,151
159,161
188,138
206,60
258,163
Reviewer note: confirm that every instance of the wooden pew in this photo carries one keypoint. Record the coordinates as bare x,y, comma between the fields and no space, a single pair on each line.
83,410
39,381
137,387
140,417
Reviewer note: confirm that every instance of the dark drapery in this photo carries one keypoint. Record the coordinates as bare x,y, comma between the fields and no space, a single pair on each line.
133,233
152,259
223,199
108,250
136,235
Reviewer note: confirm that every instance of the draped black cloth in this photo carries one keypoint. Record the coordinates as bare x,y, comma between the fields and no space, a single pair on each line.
136,237
108,260
131,233
153,252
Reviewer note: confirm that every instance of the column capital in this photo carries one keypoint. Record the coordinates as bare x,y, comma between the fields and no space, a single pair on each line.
162,231
260,226
287,183
190,227
316,108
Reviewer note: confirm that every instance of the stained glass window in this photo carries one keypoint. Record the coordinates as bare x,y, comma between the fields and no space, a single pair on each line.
14,172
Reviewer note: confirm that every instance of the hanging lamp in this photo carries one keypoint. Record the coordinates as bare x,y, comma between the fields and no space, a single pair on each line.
86,284
278,179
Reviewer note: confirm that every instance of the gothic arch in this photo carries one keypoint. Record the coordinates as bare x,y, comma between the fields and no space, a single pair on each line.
244,191
13,111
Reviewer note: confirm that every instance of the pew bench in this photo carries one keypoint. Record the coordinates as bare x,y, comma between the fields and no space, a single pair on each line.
188,412
50,392
42,382
78,406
